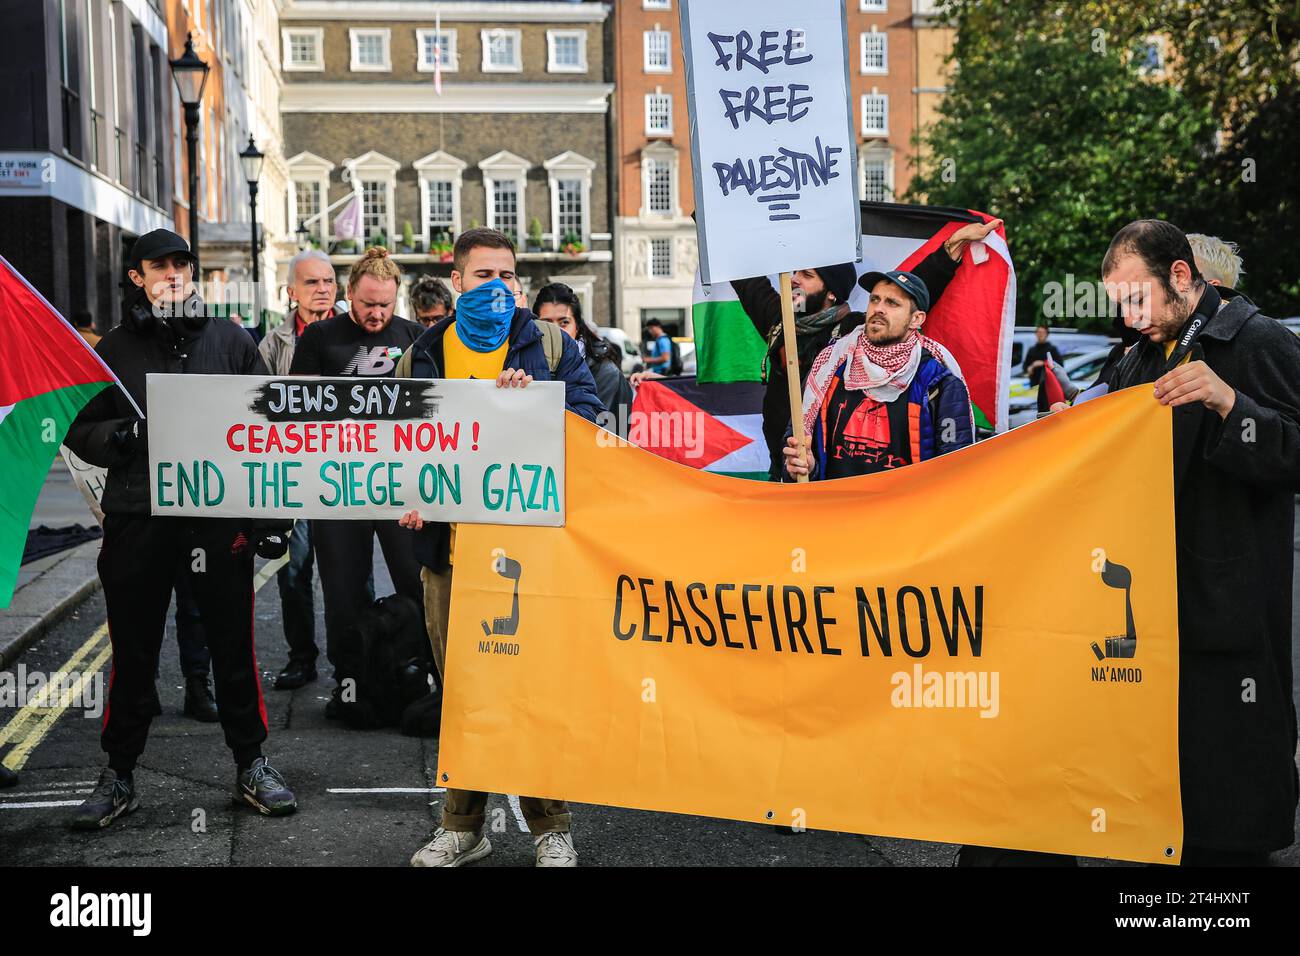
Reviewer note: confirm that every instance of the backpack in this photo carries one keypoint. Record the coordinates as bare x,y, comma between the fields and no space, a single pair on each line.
394,671
675,363
552,343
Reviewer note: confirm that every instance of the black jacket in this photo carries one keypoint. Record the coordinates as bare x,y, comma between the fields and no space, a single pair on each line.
1235,481
525,351
101,434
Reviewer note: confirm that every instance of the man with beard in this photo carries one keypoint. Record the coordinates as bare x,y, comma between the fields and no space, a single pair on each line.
165,328
882,397
823,316
1232,376
365,342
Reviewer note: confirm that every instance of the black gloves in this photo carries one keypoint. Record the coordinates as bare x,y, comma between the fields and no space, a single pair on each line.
272,537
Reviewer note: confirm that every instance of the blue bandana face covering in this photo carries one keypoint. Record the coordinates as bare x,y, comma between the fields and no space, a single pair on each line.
483,316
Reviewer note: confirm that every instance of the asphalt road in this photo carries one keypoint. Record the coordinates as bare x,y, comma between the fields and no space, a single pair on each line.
366,797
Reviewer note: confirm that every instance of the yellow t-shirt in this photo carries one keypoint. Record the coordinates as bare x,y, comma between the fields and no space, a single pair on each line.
461,361
1169,350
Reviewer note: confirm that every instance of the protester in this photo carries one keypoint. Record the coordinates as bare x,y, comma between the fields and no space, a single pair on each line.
366,342
882,398
1216,259
431,300
312,287
1036,355
84,323
195,658
823,316
488,340
560,304
517,287
1232,376
658,348
165,328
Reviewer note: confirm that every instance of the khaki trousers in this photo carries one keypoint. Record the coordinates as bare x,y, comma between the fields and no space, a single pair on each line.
464,810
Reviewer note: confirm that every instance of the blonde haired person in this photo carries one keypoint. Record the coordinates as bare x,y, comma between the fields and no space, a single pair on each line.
1216,259
365,343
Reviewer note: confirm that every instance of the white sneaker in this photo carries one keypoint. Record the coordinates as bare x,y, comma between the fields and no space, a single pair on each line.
452,848
555,849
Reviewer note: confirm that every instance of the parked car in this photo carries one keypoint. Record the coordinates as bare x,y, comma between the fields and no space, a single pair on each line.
1068,341
1082,370
627,348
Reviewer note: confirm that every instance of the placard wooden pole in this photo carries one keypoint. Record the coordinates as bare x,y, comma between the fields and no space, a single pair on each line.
792,365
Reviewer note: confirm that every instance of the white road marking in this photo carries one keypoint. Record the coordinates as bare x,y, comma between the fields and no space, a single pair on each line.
40,804
44,793
518,811
386,790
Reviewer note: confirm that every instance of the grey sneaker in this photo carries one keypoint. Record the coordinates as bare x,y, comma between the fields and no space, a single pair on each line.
452,848
261,785
111,798
555,849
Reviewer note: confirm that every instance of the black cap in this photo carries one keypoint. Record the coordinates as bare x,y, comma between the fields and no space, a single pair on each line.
838,279
157,245
909,282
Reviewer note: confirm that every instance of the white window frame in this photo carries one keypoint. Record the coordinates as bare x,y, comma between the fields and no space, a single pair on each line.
570,165
649,67
486,36
287,63
453,55
874,6
552,66
439,167
385,34
310,168
650,259
658,94
871,152
884,53
374,166
872,132
661,152
506,167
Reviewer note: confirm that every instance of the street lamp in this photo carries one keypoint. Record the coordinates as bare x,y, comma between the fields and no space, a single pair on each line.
191,76
251,159
304,236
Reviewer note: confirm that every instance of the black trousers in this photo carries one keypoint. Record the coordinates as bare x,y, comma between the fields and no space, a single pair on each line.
138,564
345,554
297,607
190,636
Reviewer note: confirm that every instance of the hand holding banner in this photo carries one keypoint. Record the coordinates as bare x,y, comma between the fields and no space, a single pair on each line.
356,448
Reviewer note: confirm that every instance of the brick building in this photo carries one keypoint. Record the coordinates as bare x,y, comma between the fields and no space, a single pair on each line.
519,138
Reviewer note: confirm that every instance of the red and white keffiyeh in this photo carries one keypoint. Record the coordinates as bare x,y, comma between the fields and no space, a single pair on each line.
882,371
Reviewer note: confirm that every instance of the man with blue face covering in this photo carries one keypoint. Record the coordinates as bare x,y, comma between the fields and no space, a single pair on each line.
490,337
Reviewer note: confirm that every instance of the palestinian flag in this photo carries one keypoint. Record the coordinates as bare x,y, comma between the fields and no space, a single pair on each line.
715,427
973,319
48,374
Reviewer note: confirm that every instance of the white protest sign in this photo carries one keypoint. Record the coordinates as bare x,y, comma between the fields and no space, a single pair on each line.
772,135
453,450
89,479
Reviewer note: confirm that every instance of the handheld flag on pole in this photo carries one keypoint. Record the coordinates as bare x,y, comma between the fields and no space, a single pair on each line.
973,319
48,375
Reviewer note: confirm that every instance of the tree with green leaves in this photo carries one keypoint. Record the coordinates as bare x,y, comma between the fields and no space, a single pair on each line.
1051,124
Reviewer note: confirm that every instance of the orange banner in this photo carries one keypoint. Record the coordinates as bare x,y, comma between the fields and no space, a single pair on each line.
978,649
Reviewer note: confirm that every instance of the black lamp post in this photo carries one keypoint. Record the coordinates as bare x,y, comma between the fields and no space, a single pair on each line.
304,236
191,76
251,159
